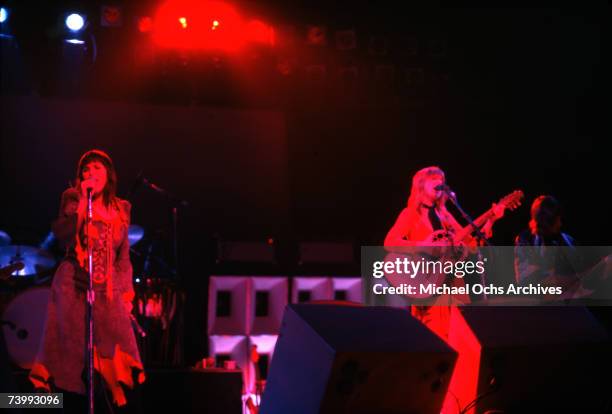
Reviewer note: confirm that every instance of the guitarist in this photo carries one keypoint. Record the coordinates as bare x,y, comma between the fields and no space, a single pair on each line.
544,254
425,213
544,230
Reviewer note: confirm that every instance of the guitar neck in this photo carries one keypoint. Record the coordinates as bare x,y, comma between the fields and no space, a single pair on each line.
479,222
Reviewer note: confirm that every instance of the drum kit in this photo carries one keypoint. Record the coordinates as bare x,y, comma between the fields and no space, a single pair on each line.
23,310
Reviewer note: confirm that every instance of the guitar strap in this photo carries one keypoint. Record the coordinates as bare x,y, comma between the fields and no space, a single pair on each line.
434,220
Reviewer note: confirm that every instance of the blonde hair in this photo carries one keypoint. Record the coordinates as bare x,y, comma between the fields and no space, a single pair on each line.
418,186
417,192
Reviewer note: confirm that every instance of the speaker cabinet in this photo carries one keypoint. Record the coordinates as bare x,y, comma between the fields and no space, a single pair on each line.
353,359
306,289
227,305
529,359
268,300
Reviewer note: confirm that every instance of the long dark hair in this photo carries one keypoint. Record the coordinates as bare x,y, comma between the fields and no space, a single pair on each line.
109,191
545,211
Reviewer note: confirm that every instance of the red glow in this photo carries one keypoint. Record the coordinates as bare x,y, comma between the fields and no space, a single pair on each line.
192,24
259,32
464,382
145,25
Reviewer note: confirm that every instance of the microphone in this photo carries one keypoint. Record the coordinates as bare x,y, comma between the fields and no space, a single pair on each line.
165,193
89,188
446,189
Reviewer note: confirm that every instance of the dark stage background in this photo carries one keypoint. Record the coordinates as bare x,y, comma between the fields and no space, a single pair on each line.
525,106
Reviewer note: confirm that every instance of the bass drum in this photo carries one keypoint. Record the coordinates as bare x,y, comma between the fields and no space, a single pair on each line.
23,323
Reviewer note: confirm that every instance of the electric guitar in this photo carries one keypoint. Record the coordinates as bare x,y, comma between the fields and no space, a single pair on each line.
457,250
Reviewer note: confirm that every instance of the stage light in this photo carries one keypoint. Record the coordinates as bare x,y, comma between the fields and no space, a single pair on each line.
75,22
199,25
111,16
259,32
145,24
3,14
316,36
75,41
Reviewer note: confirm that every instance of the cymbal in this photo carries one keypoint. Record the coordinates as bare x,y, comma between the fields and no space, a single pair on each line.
5,239
135,234
35,260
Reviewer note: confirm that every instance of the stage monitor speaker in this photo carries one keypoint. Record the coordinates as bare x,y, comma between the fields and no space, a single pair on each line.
193,391
305,289
234,347
227,305
359,360
529,359
347,288
268,298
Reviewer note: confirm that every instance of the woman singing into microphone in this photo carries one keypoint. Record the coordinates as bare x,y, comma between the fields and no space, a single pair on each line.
61,357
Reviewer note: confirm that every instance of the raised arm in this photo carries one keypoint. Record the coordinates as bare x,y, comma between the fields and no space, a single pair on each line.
65,226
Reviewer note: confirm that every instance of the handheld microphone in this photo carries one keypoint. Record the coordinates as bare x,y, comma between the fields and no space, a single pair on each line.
89,188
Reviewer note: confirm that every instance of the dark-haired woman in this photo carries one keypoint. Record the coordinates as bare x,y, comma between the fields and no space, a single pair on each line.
61,357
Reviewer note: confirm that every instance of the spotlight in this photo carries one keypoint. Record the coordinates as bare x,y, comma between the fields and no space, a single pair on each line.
316,36
75,22
145,24
3,14
111,16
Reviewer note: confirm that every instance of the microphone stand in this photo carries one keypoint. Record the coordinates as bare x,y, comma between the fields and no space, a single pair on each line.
90,306
479,236
176,204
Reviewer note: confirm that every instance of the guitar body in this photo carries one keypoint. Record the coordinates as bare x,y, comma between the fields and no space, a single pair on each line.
445,246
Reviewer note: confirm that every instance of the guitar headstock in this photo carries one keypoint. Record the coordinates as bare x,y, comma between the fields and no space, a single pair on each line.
512,200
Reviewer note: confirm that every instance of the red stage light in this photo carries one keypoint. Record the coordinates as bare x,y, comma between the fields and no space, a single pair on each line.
259,32
205,25
110,16
145,24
